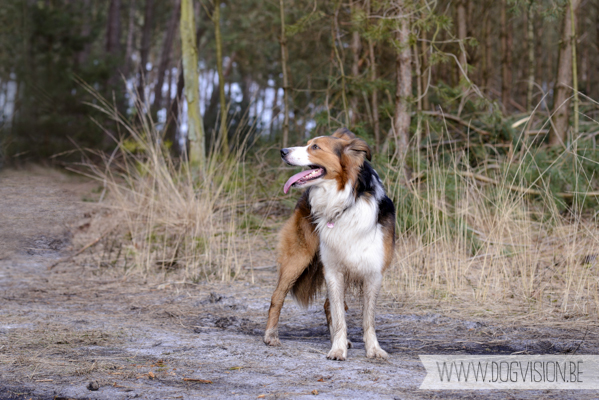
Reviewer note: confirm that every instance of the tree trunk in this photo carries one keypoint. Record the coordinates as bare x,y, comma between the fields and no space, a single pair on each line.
530,42
165,56
563,80
462,34
375,102
175,104
172,117
505,73
197,153
223,135
285,77
426,69
595,92
85,31
403,90
113,30
275,111
418,71
130,32
506,78
146,42
487,67
355,69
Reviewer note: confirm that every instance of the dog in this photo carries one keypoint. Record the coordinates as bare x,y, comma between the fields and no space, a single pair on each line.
342,234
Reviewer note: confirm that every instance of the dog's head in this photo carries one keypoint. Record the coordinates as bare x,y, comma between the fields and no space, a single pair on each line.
336,157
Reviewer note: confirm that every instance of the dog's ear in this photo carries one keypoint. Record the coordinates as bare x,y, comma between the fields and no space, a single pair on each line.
359,145
344,133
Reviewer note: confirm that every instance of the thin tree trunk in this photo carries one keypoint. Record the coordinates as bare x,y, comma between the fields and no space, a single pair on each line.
113,30
596,86
462,34
172,117
113,38
197,152
285,77
573,22
530,41
224,140
130,32
275,111
213,104
172,121
355,69
487,68
375,102
426,70
506,78
340,55
403,90
165,56
563,80
146,42
85,31
418,77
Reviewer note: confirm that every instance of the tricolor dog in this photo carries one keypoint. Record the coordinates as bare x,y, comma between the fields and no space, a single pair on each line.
342,234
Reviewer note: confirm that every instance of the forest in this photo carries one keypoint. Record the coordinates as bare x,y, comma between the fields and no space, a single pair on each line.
482,116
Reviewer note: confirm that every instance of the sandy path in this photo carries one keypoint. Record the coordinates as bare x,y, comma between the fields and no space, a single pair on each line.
60,330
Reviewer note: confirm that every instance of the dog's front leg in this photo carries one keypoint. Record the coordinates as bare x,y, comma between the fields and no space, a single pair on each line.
336,293
290,271
371,288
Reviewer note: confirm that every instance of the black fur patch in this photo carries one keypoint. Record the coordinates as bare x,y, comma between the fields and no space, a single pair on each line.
387,214
366,180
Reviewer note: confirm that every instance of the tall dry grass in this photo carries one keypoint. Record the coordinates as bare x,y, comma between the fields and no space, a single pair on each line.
495,244
166,214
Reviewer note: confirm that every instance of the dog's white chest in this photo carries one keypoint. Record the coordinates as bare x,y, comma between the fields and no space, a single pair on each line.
354,240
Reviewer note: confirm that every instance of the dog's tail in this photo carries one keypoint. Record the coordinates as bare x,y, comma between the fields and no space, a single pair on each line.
310,282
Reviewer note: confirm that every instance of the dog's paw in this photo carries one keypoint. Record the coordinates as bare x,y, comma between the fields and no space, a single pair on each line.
377,352
271,338
337,354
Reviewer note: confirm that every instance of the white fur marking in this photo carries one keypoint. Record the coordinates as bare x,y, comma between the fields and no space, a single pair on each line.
299,156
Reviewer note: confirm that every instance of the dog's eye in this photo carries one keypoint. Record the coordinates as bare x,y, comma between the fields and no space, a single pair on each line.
315,147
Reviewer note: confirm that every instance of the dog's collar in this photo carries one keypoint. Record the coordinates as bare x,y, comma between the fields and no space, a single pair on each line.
331,223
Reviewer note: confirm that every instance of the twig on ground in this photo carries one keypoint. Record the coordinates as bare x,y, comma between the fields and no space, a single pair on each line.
197,380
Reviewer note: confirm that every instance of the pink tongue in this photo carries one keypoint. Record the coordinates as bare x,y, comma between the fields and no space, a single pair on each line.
296,178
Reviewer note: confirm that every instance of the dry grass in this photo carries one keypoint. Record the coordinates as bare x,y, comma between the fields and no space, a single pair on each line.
498,249
170,216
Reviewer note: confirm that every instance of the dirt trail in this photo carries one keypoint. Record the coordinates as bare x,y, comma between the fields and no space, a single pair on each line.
80,325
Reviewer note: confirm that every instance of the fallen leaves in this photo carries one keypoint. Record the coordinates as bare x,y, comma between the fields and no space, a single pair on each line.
315,392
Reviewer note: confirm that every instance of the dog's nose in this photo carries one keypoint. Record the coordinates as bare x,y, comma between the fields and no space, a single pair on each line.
284,152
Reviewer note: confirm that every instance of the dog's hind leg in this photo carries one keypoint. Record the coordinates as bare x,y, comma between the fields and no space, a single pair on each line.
371,288
327,313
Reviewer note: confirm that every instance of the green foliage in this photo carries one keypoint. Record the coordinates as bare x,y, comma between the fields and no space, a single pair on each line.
303,23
